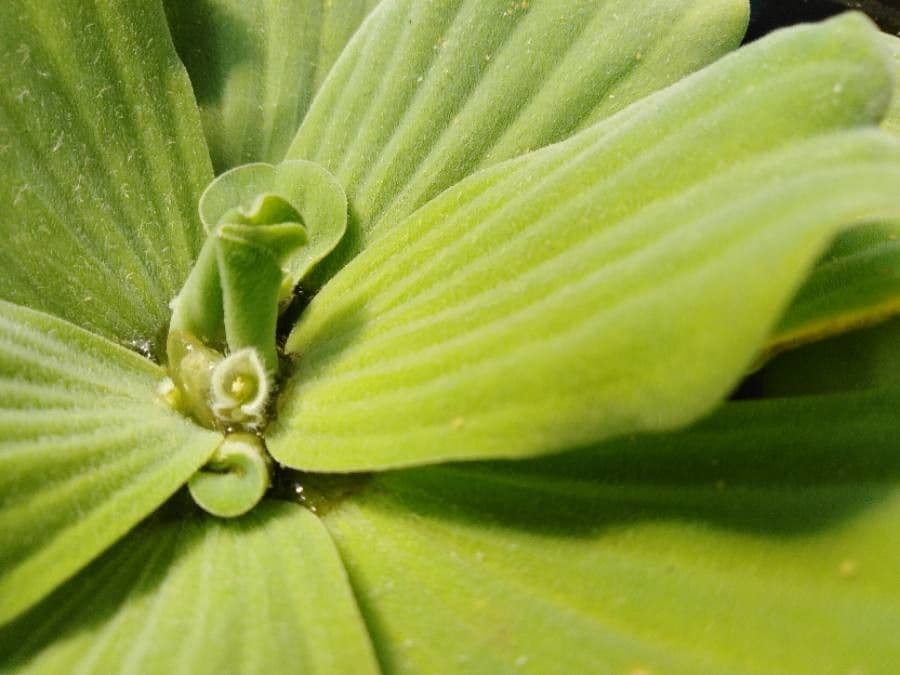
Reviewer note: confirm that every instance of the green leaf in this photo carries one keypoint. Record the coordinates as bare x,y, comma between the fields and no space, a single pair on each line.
86,450
426,93
858,360
266,593
892,119
256,65
757,542
620,281
315,194
857,283
102,160
267,226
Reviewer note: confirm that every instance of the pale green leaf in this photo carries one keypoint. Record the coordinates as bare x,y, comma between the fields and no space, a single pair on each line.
315,194
892,120
86,450
102,160
256,65
857,283
620,281
427,92
183,594
758,542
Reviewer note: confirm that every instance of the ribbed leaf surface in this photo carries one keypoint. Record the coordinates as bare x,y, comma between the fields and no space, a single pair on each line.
256,65
86,450
427,92
758,542
620,281
858,281
264,594
102,161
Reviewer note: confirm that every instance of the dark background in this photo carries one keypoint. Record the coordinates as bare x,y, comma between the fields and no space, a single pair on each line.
767,15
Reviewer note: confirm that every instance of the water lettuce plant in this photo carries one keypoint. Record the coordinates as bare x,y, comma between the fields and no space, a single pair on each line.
399,337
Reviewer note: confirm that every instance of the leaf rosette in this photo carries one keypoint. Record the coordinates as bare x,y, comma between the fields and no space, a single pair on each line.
560,233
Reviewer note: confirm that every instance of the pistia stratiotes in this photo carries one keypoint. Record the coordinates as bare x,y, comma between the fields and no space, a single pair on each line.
560,228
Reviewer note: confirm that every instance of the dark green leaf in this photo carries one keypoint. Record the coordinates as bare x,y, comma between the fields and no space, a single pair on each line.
256,65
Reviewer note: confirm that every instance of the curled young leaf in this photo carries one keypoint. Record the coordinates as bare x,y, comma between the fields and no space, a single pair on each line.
267,228
234,479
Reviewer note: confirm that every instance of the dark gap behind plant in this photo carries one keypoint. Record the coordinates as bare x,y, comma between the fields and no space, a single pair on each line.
768,15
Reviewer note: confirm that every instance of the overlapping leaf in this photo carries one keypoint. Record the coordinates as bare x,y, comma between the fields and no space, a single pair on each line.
267,593
102,160
756,542
620,281
86,450
428,92
857,283
256,65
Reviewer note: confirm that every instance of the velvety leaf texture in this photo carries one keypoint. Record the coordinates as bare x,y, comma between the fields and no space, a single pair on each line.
756,542
857,283
620,281
256,65
198,595
102,160
86,450
427,92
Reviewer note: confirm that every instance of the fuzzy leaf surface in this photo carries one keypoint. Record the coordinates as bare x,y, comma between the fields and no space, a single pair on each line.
266,593
857,283
620,281
428,92
102,160
86,450
756,542
255,67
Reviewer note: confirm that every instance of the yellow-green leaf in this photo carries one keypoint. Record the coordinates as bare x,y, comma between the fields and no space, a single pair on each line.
857,283
428,92
617,282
